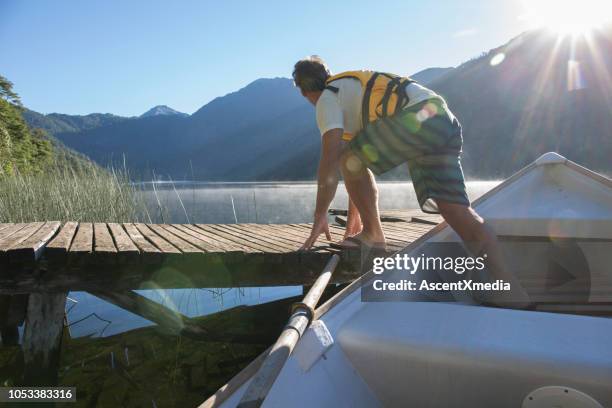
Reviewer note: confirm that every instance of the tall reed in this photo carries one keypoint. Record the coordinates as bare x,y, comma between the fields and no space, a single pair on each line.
88,194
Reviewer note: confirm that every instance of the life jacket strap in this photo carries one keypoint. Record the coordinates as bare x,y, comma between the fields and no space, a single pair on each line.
365,101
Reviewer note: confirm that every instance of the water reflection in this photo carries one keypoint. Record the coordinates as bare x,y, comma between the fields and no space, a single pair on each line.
118,358
88,315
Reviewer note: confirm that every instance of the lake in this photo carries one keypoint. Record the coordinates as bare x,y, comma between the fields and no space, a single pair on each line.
186,202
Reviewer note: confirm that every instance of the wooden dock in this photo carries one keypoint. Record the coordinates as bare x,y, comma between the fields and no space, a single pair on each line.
48,256
41,262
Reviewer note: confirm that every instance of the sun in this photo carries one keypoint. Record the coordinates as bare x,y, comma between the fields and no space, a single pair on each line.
569,16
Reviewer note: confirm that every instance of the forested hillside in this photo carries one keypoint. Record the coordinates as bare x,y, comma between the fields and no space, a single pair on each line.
27,150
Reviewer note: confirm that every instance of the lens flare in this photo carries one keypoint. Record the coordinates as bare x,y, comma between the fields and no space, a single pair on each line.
568,16
353,164
370,152
497,59
575,79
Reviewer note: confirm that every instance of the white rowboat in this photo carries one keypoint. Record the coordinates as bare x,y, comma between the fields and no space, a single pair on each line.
554,220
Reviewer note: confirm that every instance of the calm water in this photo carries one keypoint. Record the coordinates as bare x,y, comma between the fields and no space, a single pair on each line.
90,316
116,358
264,202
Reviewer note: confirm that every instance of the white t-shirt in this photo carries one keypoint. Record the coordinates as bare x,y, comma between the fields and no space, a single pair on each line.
342,110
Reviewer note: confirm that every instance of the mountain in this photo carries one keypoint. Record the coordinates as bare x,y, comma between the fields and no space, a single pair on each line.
161,110
234,137
534,94
56,123
428,75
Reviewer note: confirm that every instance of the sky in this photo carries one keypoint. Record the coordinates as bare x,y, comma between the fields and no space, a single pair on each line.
124,57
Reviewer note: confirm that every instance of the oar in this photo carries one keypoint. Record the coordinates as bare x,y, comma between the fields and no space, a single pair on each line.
301,316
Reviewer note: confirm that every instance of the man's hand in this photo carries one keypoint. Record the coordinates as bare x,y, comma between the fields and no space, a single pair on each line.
319,227
327,182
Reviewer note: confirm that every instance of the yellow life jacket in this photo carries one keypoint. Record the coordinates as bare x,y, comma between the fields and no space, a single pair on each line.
383,94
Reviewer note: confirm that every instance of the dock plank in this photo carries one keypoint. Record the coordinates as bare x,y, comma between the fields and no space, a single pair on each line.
10,230
279,233
235,237
30,249
123,242
215,246
58,247
163,245
104,247
262,237
406,231
127,250
305,230
181,244
82,243
216,237
103,241
5,225
19,236
396,239
149,253
196,242
299,236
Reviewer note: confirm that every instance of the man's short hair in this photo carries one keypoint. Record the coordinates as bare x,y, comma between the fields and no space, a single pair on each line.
310,74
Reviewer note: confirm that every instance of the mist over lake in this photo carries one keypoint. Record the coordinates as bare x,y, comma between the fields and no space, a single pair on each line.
218,203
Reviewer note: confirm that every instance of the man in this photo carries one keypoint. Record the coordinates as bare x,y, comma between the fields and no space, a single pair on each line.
358,137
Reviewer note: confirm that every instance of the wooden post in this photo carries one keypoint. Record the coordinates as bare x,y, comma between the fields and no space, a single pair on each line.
12,315
263,380
42,338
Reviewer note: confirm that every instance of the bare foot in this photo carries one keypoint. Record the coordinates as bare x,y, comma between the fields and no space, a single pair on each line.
361,239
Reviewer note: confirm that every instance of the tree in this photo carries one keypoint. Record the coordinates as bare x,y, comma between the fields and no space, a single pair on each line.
6,91
20,149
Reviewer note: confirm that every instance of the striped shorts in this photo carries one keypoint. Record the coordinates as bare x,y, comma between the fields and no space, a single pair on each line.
427,136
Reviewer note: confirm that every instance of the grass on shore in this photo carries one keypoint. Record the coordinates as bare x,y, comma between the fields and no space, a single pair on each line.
86,194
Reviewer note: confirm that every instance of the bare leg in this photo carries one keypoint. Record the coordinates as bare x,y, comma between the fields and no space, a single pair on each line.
480,239
362,190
